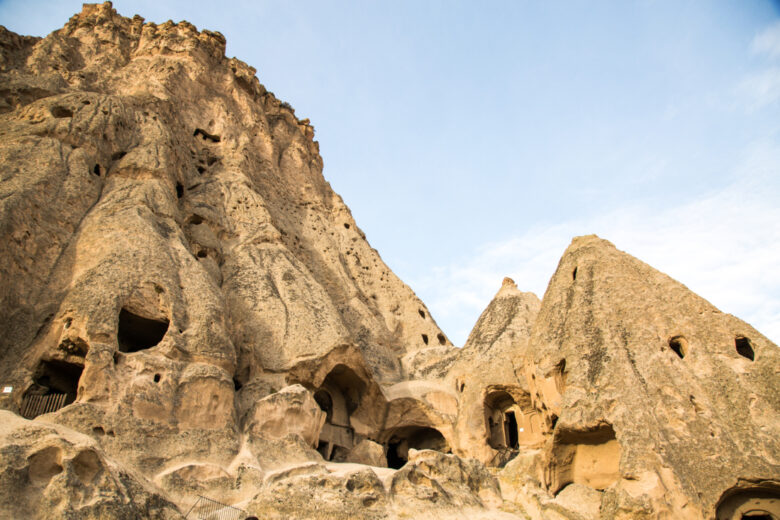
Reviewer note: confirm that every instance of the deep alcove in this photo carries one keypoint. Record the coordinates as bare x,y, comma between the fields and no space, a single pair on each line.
745,347
139,333
55,385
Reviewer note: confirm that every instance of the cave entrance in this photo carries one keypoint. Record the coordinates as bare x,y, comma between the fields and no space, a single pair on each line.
55,385
588,457
338,396
510,430
509,423
758,503
138,333
413,437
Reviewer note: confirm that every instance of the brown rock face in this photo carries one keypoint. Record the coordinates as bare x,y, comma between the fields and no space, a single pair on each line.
656,397
188,309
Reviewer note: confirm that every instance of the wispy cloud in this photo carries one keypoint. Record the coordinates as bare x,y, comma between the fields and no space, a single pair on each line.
724,245
761,89
767,41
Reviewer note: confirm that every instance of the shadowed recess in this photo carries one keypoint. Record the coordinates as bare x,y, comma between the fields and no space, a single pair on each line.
138,333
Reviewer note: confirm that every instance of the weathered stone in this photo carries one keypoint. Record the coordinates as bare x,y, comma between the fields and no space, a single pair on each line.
49,471
189,309
291,410
368,452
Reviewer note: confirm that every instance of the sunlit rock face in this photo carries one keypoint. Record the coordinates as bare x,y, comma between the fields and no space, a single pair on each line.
188,309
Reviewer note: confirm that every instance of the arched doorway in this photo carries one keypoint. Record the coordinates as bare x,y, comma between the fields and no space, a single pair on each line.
338,396
510,424
401,440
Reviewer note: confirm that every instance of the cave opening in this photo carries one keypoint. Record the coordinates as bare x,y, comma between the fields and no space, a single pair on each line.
510,424
413,437
55,385
137,333
338,397
679,346
745,347
588,457
761,502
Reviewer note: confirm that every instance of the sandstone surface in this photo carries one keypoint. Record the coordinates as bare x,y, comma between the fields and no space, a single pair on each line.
188,309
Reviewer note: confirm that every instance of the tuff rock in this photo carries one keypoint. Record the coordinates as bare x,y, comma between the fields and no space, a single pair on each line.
189,309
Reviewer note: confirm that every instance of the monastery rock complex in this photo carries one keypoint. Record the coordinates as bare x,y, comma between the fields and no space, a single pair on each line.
194,325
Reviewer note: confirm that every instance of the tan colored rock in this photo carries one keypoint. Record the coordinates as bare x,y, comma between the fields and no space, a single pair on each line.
369,453
649,394
291,410
487,377
201,307
49,471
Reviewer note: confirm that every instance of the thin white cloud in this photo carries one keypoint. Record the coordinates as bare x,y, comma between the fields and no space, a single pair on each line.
761,89
767,41
725,246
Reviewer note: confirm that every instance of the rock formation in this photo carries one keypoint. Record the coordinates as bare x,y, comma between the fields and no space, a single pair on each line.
189,310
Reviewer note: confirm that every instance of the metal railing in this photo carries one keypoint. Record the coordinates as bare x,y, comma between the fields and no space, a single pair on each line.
207,509
35,405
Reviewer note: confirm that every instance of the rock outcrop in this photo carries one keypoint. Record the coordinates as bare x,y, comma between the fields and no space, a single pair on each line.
189,309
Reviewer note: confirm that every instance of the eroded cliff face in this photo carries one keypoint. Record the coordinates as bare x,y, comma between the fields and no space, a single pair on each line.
188,309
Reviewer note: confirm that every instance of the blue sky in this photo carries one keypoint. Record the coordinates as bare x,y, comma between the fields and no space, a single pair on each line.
473,140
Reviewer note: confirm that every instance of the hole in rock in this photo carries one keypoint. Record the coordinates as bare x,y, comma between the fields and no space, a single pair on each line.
237,384
425,338
574,274
202,253
745,347
754,503
139,333
422,313
346,225
55,385
157,378
413,437
679,346
98,430
44,464
206,136
196,220
118,155
96,170
179,190
61,112
117,357
338,396
441,338
85,102
86,465
588,457
325,402
560,376
201,169
508,423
